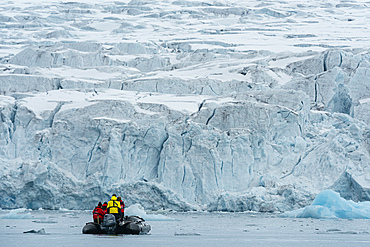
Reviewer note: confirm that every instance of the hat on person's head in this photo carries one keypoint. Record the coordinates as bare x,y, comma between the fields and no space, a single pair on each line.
114,195
119,198
99,204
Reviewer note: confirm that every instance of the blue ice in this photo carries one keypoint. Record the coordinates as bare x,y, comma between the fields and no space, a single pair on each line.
329,204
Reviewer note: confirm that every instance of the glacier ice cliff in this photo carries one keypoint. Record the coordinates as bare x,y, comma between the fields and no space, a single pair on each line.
90,106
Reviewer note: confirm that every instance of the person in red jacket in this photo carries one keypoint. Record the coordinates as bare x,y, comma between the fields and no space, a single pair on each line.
122,207
98,213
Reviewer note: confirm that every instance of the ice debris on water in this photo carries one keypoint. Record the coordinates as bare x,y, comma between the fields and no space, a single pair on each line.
45,221
187,234
41,231
339,231
329,204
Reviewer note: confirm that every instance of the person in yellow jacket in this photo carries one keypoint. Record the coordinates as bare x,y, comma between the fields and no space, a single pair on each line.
114,207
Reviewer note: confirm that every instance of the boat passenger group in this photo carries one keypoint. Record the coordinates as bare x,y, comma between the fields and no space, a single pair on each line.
115,206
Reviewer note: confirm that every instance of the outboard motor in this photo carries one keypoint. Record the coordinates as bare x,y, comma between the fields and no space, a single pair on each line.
109,224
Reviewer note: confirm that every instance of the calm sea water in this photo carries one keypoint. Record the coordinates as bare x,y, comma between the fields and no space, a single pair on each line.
63,228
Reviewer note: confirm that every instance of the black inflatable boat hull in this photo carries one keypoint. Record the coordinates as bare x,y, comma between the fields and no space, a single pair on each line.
92,228
131,225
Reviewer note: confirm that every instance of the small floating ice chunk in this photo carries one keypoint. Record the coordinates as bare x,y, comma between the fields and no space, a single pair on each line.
333,230
187,234
45,221
41,231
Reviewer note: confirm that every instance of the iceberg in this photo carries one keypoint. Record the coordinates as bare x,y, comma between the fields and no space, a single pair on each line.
329,205
20,213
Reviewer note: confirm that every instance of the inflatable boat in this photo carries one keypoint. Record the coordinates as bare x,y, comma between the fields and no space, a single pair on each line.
129,225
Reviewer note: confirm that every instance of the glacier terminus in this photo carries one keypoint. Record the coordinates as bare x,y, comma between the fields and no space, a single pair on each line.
184,105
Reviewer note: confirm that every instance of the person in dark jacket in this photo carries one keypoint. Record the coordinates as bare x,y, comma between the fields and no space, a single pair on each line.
122,207
98,214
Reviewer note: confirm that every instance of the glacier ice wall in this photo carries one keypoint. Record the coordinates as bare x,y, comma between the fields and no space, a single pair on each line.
96,101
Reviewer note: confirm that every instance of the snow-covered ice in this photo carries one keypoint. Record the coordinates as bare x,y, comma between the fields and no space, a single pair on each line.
184,105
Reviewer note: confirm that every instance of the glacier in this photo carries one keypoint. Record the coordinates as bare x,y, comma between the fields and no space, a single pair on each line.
183,105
